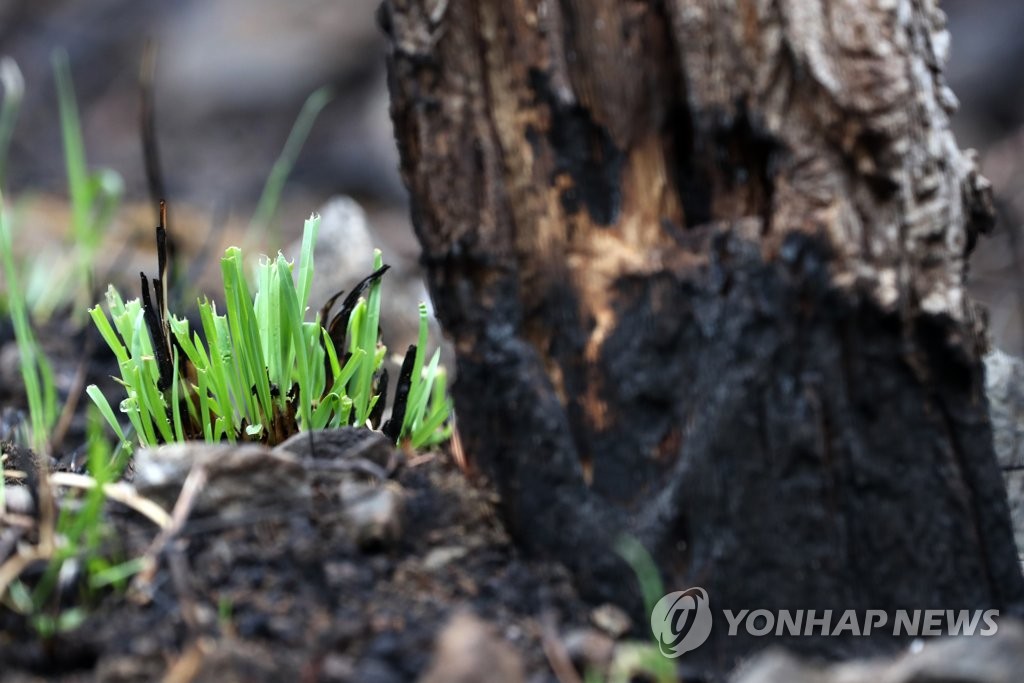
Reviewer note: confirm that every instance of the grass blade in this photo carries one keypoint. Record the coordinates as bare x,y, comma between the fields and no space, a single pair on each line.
271,195
290,312
34,369
245,337
74,149
310,230
14,91
93,392
368,342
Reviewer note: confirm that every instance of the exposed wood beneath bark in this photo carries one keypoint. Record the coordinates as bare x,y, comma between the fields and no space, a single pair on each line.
703,267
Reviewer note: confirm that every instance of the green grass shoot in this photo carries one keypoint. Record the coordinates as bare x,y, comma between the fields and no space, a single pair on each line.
270,197
35,369
426,420
14,92
82,538
94,198
259,371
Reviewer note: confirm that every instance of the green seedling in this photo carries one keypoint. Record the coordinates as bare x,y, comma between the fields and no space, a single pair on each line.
225,615
266,208
3,480
14,91
258,372
79,549
641,658
35,369
637,660
364,325
640,561
94,198
422,406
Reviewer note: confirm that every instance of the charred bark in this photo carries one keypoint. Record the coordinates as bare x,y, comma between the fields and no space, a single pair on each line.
702,264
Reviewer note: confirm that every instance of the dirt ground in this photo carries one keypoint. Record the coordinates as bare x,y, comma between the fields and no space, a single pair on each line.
285,592
286,586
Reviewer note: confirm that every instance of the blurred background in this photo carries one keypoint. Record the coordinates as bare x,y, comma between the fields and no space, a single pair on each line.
232,75
231,78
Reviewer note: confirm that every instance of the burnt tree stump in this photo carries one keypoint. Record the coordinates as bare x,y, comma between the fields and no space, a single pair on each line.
703,267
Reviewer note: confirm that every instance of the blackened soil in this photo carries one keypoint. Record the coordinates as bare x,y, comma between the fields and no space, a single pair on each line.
287,595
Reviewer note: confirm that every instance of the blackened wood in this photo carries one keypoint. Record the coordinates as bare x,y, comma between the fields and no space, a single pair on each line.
702,265
393,427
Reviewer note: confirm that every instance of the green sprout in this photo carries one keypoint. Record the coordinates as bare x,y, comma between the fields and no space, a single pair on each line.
35,369
36,372
94,198
82,536
639,658
423,414
260,371
363,331
14,91
270,197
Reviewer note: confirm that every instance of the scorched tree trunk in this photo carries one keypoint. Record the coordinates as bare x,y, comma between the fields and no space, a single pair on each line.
703,266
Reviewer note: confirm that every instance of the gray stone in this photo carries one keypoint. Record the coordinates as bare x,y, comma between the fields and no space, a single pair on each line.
611,619
441,557
976,659
469,651
372,513
1004,384
236,479
344,443
589,649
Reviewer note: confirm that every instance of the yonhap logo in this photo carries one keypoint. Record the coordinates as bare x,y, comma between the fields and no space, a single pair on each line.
681,621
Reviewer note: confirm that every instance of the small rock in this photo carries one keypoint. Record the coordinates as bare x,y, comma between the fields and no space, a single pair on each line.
640,661
372,513
778,666
239,478
129,669
611,619
439,557
18,500
1015,494
11,419
337,668
467,651
338,574
9,538
589,650
225,661
376,670
342,443
998,658
1004,384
